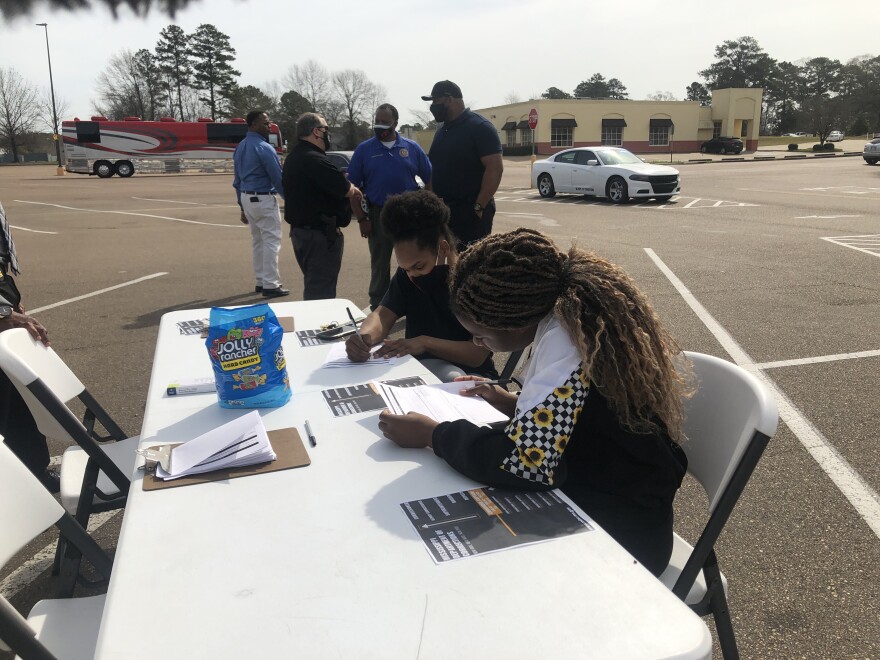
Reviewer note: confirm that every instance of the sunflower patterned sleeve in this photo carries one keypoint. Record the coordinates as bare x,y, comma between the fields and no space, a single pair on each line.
541,433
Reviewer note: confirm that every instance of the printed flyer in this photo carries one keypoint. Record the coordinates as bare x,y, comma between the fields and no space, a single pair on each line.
484,520
355,399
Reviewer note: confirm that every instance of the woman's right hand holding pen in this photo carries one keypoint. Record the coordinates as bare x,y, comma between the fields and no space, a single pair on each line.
498,397
357,347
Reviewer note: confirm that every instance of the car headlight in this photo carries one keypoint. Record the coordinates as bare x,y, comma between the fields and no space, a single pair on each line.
639,177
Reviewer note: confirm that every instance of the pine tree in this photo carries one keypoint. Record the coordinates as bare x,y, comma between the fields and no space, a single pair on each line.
211,55
172,53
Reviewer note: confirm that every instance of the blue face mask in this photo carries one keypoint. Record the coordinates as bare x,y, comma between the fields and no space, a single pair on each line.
384,132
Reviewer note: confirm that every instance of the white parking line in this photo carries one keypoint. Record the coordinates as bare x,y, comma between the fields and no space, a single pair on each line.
94,293
818,359
42,561
143,215
170,201
861,496
36,231
867,243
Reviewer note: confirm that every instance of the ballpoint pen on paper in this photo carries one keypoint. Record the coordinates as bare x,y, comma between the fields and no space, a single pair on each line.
312,440
353,322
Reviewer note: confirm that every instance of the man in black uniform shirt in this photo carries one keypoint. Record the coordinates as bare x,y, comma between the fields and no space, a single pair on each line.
466,157
317,205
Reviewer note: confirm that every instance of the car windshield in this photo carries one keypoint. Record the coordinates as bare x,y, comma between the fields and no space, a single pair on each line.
619,157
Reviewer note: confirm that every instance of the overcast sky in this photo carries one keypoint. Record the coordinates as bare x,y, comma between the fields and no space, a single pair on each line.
491,48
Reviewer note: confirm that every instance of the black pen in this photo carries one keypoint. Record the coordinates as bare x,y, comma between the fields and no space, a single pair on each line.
497,381
312,441
353,322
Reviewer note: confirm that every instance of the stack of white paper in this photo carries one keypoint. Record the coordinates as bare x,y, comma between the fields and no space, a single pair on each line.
442,402
337,358
240,442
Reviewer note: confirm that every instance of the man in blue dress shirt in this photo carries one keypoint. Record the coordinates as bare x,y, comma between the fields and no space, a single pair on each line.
257,180
381,166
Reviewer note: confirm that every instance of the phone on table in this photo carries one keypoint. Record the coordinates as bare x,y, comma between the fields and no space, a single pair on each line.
336,332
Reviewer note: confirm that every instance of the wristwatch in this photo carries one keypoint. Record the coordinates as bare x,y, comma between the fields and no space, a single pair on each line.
478,208
5,311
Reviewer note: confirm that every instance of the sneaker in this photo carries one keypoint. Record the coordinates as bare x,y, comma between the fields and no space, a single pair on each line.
258,289
51,480
275,293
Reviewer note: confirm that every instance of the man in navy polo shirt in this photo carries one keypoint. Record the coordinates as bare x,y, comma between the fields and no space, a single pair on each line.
466,156
381,166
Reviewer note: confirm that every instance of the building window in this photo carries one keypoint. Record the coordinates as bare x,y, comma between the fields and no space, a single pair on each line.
716,129
612,135
525,136
561,137
658,136
745,128
511,138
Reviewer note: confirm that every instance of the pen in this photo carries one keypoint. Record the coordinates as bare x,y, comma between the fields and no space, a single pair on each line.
353,322
497,381
312,441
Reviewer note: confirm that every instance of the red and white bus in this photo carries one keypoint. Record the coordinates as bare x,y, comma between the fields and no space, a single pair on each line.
105,148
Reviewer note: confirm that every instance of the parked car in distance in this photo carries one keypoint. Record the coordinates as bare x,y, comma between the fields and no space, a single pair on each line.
722,145
871,154
341,159
798,134
609,172
834,136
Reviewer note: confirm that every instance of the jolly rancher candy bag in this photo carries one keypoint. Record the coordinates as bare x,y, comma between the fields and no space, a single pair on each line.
245,349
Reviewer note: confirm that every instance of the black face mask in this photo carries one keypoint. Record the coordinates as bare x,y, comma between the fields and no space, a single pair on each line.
440,112
326,140
383,132
434,280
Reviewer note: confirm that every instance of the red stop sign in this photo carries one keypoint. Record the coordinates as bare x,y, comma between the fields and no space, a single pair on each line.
533,118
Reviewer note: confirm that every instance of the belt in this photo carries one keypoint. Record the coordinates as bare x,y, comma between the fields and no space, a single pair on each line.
313,227
255,192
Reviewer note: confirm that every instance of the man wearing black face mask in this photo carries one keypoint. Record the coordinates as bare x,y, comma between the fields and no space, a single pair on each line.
384,165
466,156
316,195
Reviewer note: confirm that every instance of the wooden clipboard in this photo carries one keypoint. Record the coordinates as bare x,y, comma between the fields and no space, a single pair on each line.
289,451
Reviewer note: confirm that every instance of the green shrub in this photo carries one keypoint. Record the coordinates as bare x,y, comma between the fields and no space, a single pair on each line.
829,146
818,147
792,147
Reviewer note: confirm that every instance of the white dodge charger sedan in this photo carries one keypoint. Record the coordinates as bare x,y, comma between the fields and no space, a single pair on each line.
609,172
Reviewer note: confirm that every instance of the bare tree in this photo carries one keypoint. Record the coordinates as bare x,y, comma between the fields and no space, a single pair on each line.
121,92
312,81
19,107
355,91
423,118
661,96
44,111
511,98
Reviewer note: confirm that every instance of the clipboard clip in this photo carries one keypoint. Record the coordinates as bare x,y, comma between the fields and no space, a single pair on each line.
160,454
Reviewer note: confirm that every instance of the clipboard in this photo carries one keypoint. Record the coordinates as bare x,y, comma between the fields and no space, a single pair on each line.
286,323
289,452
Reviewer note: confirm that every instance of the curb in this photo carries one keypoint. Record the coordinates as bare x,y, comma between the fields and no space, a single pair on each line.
700,161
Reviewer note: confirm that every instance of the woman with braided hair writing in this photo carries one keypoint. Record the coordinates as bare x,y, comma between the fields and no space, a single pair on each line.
600,413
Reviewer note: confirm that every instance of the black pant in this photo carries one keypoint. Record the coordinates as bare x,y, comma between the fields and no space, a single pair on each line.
19,430
319,260
465,224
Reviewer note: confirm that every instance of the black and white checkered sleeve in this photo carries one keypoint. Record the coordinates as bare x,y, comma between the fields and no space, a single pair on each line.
540,434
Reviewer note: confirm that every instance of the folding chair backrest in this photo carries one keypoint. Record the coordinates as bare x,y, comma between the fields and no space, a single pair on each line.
26,361
28,509
730,405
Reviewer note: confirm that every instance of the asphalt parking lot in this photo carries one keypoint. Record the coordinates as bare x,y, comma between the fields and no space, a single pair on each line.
775,265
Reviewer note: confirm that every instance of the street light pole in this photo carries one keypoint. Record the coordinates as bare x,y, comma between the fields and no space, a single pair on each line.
60,170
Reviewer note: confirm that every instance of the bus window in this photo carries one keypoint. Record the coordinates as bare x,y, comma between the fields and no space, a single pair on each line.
88,131
226,133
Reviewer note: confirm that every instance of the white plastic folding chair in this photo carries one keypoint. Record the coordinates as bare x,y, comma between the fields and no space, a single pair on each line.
94,473
728,424
66,628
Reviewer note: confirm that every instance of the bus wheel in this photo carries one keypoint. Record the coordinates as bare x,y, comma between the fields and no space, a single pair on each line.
103,169
124,168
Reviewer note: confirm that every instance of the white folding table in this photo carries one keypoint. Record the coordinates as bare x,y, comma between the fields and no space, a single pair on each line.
320,561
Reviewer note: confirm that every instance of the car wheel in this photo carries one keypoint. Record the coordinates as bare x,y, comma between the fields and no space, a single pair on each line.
722,151
545,186
703,149
871,161
124,169
103,169
616,190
